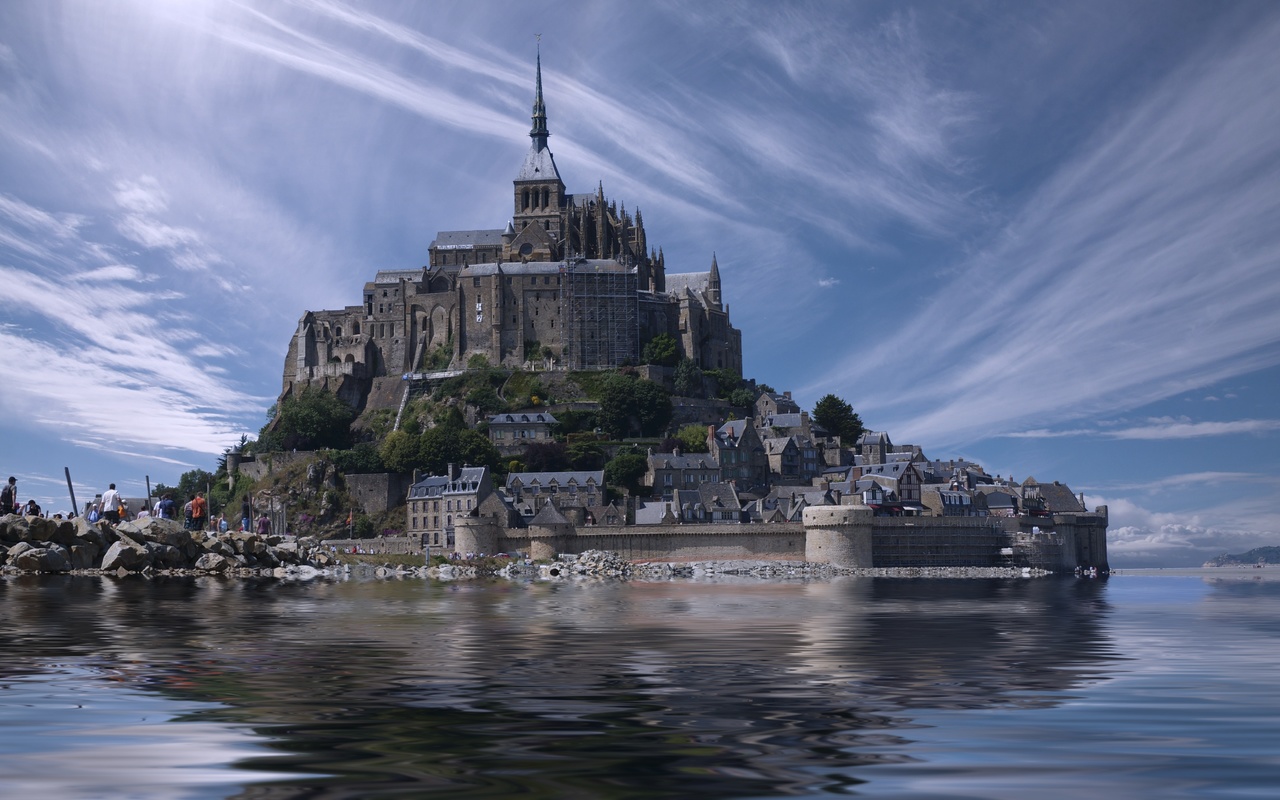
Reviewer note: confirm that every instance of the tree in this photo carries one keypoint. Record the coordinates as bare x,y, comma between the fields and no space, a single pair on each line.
313,419
692,438
545,457
688,379
586,456
662,350
838,418
399,451
626,470
742,398
652,407
363,458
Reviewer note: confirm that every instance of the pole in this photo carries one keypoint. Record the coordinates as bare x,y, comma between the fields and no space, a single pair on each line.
70,491
148,477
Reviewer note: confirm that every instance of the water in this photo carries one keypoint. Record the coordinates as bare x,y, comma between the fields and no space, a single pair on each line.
201,688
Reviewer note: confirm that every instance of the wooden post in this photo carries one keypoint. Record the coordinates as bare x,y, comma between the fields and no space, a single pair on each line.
70,491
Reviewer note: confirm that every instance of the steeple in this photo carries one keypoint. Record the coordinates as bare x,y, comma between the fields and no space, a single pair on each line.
539,131
713,282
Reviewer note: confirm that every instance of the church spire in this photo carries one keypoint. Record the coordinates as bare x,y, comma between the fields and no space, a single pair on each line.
539,132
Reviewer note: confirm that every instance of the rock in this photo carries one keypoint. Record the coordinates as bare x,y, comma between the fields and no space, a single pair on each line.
166,556
18,549
213,562
85,555
42,559
126,555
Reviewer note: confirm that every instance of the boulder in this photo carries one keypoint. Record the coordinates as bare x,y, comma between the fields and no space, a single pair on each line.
213,562
17,550
166,556
85,555
127,555
43,559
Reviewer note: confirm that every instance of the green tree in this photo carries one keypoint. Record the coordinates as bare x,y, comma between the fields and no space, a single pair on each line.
688,379
585,456
652,407
625,471
399,451
692,438
363,458
545,457
313,419
662,350
743,397
838,418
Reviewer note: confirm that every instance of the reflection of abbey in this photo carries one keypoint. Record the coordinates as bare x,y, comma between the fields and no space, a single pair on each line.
571,281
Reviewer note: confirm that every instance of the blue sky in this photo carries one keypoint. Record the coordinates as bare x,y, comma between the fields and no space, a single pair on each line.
1040,236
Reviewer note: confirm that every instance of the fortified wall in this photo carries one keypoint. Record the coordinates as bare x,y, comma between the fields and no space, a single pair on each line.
844,536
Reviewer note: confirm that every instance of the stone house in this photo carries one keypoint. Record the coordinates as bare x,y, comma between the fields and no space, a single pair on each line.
667,472
528,492
942,500
770,404
737,448
511,433
708,503
791,460
905,476
435,501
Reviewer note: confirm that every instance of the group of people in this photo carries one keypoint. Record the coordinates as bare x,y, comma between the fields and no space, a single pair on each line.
113,508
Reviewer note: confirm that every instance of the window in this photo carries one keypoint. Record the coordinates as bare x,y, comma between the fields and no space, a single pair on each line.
475,281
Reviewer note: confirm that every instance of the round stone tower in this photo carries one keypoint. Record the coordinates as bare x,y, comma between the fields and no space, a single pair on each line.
838,535
475,533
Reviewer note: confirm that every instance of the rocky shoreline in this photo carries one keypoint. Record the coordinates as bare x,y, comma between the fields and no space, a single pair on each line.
163,547
148,546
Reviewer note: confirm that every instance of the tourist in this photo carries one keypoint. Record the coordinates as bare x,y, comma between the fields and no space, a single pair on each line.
223,525
111,505
264,525
246,513
186,514
166,507
9,497
32,509
199,512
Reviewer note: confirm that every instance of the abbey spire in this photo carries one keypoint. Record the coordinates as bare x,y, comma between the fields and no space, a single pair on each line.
539,131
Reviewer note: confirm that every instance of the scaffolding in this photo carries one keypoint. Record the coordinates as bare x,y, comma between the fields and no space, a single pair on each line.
600,309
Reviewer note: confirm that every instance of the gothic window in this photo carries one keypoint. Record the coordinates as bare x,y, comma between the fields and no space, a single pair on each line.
546,197
525,203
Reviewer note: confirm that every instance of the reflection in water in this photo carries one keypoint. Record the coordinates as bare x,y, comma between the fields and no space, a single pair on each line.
558,690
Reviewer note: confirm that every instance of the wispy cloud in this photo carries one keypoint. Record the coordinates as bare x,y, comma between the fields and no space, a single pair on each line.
1144,267
1159,429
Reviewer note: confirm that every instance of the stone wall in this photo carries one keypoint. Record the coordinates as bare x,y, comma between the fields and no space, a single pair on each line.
379,492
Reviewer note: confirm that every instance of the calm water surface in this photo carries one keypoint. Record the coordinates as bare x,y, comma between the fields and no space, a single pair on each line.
1136,686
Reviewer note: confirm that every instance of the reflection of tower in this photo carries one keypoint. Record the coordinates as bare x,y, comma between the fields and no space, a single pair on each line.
833,630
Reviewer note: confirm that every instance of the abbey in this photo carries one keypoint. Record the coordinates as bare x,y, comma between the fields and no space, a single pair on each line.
570,282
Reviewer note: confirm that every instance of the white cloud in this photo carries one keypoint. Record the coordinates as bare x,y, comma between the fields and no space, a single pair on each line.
1156,429
1097,295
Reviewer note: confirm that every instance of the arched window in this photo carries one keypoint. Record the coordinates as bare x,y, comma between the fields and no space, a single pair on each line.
525,203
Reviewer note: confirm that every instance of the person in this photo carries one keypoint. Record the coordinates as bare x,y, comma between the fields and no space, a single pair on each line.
33,508
9,497
165,508
246,512
94,514
223,526
264,525
111,505
186,514
199,512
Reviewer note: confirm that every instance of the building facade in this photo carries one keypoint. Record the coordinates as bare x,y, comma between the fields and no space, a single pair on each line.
571,281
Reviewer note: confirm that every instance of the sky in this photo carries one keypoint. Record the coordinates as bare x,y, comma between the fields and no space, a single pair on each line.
1040,236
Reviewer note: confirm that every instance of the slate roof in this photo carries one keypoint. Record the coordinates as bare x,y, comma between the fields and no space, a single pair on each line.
695,282
1059,499
462,240
560,478
549,515
672,461
539,165
783,421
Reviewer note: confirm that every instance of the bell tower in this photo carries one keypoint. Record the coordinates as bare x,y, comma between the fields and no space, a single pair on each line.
539,193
